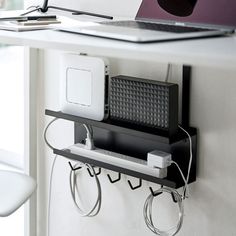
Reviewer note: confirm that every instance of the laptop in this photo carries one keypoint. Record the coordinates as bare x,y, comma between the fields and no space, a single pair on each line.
162,20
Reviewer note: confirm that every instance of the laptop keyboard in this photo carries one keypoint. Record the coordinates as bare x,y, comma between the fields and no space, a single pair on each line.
155,26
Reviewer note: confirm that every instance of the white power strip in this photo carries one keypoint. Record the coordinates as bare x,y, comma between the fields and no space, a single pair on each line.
118,159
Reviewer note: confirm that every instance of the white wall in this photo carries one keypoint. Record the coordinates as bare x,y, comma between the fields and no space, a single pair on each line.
211,210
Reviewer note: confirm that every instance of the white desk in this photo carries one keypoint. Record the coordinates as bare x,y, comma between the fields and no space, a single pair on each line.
216,52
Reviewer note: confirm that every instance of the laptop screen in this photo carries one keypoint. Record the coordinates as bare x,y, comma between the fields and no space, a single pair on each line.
213,12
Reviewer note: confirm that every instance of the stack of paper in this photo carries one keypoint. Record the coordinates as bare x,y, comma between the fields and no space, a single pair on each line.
26,23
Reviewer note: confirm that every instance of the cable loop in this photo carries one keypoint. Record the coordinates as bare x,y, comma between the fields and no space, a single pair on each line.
74,189
148,209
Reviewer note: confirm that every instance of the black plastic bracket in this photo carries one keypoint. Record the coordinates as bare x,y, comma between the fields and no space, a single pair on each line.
186,82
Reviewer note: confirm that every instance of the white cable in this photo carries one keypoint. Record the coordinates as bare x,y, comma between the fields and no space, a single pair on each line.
89,145
180,171
45,134
169,68
147,209
89,139
190,159
51,174
148,215
74,184
50,194
94,210
190,151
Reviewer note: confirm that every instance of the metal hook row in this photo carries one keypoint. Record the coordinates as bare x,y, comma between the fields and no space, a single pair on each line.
119,178
130,184
96,173
157,194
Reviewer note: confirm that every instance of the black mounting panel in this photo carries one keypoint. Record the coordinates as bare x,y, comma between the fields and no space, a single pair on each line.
137,142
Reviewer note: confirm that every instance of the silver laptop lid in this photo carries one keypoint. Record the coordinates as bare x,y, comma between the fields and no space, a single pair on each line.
202,12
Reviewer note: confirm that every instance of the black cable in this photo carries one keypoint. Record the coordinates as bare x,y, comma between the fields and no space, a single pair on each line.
28,12
45,8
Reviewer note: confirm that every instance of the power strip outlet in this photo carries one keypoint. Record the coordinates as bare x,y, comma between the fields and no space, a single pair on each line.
118,159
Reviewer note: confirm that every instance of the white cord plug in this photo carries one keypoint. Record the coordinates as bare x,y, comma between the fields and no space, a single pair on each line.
158,159
89,144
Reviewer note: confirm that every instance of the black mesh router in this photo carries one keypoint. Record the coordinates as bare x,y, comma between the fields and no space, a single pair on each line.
144,102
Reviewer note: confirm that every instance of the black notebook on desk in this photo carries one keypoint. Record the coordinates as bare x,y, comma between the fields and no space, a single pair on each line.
161,20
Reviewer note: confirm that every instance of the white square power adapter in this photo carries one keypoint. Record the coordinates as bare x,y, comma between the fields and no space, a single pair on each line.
159,159
84,86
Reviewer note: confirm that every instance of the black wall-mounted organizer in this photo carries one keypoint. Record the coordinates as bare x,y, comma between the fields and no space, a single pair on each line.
137,141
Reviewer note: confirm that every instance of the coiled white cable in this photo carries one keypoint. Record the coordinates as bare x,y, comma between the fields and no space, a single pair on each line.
89,142
190,161
169,70
51,174
50,193
45,133
147,212
89,139
94,210
147,209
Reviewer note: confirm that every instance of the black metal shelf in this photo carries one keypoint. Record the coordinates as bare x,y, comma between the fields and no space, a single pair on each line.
114,137
122,127
66,153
